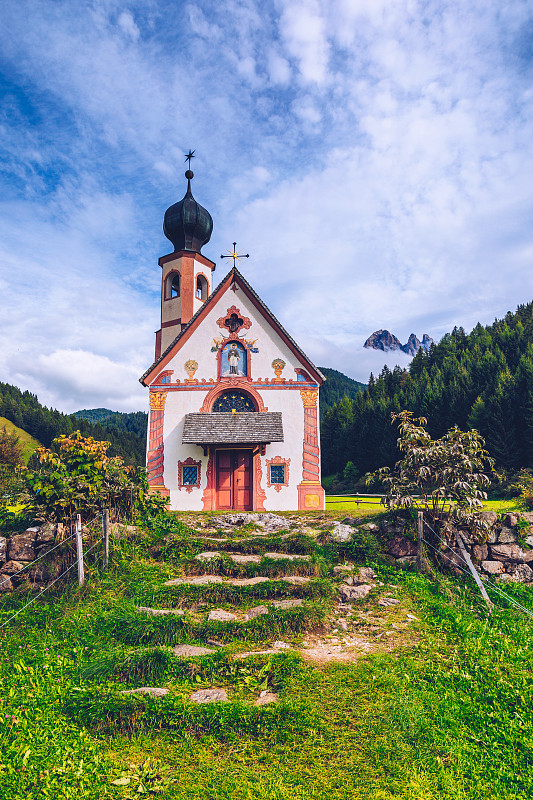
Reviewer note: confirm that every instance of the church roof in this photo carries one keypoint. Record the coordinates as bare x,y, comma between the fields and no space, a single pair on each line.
234,275
228,428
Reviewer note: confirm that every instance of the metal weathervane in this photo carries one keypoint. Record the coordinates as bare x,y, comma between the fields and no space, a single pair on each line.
189,155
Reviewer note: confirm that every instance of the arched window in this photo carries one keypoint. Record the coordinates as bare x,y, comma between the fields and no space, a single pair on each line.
175,286
234,401
201,288
172,288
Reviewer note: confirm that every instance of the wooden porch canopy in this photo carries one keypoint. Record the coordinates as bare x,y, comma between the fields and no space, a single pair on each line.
228,428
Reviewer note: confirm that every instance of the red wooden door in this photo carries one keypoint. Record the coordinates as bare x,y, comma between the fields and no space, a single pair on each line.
234,480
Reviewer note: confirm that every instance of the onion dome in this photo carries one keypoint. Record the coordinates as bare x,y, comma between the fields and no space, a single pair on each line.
187,224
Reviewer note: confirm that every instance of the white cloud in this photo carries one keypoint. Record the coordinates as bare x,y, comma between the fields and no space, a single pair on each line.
127,24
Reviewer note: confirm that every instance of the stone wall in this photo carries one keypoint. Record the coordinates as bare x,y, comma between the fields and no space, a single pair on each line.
18,549
502,552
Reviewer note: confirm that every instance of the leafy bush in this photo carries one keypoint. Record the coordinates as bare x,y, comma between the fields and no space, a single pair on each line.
77,477
445,477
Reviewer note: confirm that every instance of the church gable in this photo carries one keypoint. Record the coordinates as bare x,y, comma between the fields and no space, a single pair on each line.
247,339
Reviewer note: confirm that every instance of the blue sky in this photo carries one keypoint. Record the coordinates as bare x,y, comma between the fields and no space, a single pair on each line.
373,156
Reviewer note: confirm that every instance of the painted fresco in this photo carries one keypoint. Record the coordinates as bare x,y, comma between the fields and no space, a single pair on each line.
233,359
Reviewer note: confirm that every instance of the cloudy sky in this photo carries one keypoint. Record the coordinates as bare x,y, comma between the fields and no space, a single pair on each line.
373,156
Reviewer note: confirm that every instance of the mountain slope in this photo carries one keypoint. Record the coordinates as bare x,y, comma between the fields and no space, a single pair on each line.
336,387
28,443
482,380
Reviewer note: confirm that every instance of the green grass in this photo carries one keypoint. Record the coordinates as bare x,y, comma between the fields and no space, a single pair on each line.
446,715
337,503
28,443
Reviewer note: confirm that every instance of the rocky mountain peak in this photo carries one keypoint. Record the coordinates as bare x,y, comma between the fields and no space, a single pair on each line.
385,340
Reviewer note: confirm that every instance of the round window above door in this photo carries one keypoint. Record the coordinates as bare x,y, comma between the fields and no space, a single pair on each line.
233,401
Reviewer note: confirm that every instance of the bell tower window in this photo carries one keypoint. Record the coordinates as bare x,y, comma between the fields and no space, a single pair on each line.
175,286
201,288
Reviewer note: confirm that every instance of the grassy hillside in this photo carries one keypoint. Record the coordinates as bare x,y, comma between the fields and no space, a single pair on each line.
29,444
429,698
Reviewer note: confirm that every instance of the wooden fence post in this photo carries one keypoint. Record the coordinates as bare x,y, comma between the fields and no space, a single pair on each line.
79,551
421,557
105,532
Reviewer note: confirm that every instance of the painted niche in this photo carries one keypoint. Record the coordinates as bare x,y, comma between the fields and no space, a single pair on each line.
234,360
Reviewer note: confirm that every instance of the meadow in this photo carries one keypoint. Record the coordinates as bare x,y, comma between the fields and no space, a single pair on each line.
439,706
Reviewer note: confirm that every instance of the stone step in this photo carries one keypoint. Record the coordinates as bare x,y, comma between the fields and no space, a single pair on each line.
160,612
191,650
202,580
221,615
239,558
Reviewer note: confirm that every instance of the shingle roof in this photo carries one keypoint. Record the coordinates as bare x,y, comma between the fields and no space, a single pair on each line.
236,275
227,428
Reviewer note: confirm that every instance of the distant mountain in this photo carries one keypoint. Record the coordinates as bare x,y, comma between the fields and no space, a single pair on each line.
336,387
386,341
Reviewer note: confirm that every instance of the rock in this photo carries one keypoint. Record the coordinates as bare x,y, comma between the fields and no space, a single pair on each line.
153,691
256,611
490,518
349,593
365,575
510,552
350,521
529,541
20,547
492,536
341,568
288,556
506,535
520,573
383,340
399,547
406,560
510,520
281,645
284,605
370,526
342,533
3,549
188,650
199,580
10,569
237,558
209,696
265,698
220,615
492,567
295,579
248,581
46,533
160,612
388,601
349,581
209,555
480,552
6,584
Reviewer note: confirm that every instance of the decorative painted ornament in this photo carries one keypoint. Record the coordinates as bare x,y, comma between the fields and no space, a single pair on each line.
190,368
278,366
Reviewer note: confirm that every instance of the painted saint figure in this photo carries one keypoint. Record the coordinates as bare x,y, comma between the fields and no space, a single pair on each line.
233,360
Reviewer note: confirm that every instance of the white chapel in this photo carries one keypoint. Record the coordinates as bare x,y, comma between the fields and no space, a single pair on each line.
233,421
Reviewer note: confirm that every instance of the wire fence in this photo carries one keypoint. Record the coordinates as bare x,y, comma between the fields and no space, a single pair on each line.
78,562
488,583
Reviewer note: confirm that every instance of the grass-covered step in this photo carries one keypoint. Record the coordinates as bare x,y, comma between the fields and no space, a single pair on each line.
133,627
108,710
272,565
191,666
238,592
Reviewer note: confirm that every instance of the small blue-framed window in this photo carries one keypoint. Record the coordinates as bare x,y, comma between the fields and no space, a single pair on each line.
190,476
277,473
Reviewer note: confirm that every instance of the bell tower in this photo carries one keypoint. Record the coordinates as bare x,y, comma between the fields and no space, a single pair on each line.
186,278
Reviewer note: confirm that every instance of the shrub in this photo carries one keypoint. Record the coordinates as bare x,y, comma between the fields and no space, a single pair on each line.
77,477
